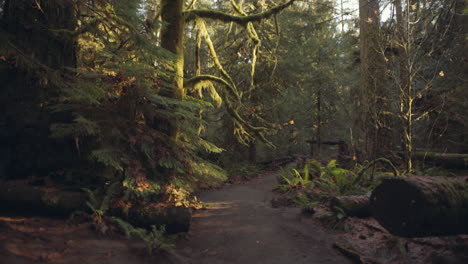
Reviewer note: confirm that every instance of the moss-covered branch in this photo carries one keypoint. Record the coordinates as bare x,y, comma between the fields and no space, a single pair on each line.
255,40
259,132
242,20
204,33
193,81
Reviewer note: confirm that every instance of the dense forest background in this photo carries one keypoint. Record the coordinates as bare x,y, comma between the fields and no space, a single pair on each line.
163,96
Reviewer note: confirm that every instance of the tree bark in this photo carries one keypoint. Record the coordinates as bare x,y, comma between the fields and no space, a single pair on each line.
373,98
353,205
172,39
34,57
422,206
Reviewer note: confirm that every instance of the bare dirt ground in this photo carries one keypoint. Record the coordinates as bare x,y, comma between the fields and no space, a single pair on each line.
239,226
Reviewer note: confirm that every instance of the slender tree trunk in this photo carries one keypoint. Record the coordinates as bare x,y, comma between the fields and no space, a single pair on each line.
405,82
319,120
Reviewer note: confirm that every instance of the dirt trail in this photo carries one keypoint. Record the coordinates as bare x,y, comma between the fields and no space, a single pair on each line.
240,226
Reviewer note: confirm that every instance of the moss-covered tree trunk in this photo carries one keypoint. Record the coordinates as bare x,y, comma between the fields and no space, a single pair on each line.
422,206
172,39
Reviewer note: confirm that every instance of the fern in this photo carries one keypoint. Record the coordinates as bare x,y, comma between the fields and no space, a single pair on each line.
109,157
155,239
99,207
305,203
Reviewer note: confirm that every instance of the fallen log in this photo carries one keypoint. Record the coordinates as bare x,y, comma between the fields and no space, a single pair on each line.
446,160
422,206
34,200
28,200
353,205
176,219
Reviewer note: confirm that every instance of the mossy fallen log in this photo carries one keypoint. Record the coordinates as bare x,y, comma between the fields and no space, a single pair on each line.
353,205
26,199
446,160
176,219
422,206
23,199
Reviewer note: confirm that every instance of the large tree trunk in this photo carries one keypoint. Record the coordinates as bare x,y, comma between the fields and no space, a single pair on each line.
422,206
373,101
33,55
172,39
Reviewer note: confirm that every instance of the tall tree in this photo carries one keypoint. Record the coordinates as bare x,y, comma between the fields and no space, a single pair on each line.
33,54
373,104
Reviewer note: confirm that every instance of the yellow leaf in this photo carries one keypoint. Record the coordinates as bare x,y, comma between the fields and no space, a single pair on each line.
291,122
414,7
441,74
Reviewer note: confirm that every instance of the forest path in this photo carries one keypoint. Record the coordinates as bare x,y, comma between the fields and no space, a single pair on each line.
240,226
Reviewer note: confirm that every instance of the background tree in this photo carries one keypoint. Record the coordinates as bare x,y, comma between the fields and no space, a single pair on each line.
418,71
373,103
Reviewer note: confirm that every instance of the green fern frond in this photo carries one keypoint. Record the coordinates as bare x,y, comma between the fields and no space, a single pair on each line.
109,157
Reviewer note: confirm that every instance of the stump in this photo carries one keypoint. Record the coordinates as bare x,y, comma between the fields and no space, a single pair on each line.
422,206
353,205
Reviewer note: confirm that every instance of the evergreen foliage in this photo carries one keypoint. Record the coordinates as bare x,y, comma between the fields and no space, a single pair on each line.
111,103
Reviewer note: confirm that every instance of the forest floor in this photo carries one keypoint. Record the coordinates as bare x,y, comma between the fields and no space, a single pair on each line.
238,226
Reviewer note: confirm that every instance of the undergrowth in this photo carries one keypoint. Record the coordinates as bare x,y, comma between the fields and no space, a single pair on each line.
242,171
155,239
314,183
